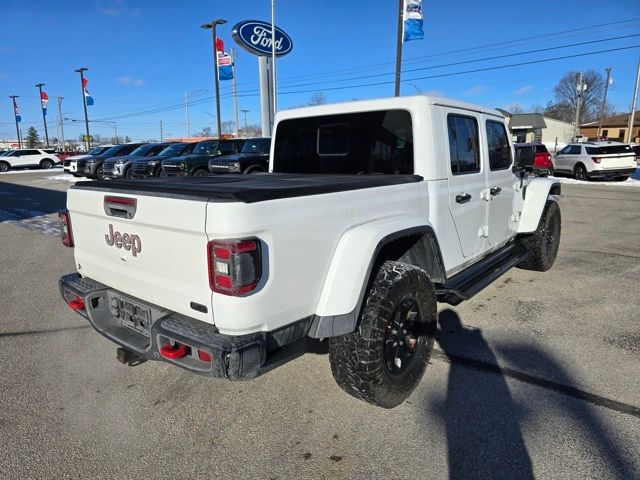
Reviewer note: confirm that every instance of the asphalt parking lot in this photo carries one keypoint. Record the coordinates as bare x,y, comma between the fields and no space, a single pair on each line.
538,376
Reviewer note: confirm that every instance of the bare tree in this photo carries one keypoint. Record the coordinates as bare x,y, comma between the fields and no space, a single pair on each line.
228,126
514,108
318,98
566,97
251,130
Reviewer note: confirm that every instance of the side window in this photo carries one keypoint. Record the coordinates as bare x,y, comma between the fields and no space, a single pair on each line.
564,151
463,144
498,143
575,150
31,152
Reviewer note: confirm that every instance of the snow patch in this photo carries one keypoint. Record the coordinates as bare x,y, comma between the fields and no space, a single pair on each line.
633,181
68,178
32,170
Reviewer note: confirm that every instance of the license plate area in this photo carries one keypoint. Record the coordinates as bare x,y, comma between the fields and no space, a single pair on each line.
131,314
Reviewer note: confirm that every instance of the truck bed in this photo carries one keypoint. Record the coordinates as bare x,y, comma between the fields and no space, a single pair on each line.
248,188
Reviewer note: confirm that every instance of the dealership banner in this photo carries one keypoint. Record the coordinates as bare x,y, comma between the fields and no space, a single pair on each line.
412,26
87,96
16,111
44,98
225,64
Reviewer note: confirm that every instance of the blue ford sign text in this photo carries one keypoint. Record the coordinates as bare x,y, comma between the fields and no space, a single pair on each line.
255,37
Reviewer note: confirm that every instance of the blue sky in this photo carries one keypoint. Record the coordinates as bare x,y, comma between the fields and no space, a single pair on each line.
143,55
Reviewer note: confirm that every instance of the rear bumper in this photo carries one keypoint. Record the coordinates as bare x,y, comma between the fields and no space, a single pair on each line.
619,172
232,357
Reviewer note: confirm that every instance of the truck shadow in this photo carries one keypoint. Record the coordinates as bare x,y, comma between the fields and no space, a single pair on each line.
20,202
482,420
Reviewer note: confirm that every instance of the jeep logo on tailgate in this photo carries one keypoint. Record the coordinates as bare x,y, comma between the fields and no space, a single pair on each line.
124,240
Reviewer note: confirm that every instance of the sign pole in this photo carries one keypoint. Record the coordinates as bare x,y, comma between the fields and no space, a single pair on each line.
235,91
273,57
44,117
399,46
13,105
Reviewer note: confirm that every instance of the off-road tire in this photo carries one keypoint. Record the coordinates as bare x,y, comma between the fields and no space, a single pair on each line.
542,245
46,164
4,167
358,361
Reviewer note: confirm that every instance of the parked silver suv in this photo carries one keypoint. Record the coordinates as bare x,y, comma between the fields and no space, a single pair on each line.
596,160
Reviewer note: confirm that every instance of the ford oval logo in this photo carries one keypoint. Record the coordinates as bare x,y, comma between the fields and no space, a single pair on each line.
255,37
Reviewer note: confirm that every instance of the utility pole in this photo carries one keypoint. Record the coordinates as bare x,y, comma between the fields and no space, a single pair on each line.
604,100
632,116
580,87
44,116
245,119
234,90
399,46
13,98
60,99
161,136
212,26
81,71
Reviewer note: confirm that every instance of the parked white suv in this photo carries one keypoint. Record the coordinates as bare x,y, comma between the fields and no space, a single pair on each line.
596,160
29,157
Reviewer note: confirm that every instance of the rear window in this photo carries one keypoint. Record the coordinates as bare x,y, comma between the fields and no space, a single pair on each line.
609,150
352,143
541,149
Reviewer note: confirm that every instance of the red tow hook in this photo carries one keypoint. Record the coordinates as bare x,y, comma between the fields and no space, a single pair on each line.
172,352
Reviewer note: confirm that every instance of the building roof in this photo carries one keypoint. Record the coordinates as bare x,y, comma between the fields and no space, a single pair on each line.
615,121
526,121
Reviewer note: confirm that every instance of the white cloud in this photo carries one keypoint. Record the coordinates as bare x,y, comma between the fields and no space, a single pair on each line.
475,90
113,8
134,82
523,90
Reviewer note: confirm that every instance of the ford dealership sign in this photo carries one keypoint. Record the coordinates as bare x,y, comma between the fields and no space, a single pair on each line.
255,37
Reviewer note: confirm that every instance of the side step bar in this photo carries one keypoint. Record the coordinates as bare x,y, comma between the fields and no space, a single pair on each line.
472,280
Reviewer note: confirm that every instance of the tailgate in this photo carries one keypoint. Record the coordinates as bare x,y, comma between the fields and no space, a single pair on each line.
161,260
618,161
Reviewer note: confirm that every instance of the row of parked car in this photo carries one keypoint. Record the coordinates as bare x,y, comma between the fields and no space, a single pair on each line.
145,160
583,161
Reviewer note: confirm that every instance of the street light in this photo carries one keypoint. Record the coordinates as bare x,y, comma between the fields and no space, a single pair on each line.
113,124
245,119
213,26
186,106
81,71
44,117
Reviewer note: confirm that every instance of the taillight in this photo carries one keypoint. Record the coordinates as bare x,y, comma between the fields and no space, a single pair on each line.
596,159
67,233
235,267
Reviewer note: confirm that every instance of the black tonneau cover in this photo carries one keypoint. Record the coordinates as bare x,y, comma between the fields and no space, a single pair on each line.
256,187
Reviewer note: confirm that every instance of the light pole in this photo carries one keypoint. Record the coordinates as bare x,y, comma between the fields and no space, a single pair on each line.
13,99
81,71
186,107
44,117
113,124
60,99
245,119
212,26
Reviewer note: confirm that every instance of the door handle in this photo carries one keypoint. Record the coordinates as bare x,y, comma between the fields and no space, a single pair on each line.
495,191
463,198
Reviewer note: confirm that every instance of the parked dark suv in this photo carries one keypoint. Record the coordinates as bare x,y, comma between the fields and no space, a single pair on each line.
91,167
119,167
197,162
253,158
146,167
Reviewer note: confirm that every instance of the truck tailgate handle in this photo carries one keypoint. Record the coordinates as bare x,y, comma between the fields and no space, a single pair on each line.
121,207
495,191
463,198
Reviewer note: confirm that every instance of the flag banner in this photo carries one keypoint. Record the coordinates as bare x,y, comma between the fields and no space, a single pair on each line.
87,96
412,27
225,65
225,70
44,98
16,111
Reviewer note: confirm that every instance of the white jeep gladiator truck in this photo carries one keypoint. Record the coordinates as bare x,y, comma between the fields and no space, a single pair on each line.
371,213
